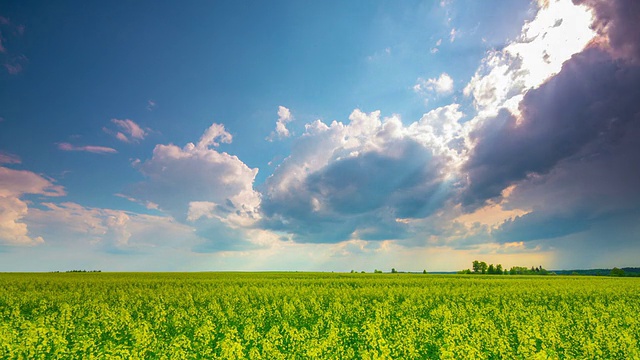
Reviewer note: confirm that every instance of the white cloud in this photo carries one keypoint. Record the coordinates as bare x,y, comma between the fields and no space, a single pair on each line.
88,148
452,34
435,48
13,185
179,179
12,230
355,177
558,31
441,85
129,130
439,129
213,136
106,229
281,131
200,209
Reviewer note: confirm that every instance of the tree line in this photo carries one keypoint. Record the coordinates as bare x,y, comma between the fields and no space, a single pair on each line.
481,267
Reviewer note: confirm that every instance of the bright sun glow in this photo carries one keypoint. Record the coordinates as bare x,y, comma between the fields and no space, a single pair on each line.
560,30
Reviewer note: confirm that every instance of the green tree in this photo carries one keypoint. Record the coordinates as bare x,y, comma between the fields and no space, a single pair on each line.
483,267
617,272
492,269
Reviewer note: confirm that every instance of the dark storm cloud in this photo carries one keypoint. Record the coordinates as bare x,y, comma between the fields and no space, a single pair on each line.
597,186
541,225
576,155
619,21
589,102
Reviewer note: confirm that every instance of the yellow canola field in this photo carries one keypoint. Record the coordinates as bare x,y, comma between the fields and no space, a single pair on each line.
317,316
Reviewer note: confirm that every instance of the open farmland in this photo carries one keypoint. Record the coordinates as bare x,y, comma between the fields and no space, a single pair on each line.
316,315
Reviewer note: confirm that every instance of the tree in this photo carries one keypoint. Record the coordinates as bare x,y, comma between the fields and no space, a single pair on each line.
492,269
617,272
394,271
476,266
424,271
499,269
483,267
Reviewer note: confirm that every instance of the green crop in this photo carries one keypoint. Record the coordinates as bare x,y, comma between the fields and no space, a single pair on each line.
319,315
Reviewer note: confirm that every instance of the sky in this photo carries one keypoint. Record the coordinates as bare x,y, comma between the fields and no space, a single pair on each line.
319,135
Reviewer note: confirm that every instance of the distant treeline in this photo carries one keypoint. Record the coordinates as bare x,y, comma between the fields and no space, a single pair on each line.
481,267
80,271
625,271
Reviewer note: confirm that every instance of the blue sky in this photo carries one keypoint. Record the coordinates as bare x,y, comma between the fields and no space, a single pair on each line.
299,135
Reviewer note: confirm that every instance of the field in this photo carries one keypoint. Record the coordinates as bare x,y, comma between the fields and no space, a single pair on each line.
319,315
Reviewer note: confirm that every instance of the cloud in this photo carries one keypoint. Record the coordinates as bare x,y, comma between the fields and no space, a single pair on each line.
197,172
541,225
129,130
452,34
151,105
7,158
89,148
18,182
357,180
13,185
441,85
206,188
10,32
617,22
148,204
591,101
71,224
281,131
12,230
435,49
558,31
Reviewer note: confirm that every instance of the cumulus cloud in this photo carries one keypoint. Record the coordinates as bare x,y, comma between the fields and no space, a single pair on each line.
359,180
281,131
202,186
128,130
441,85
88,148
12,230
13,185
